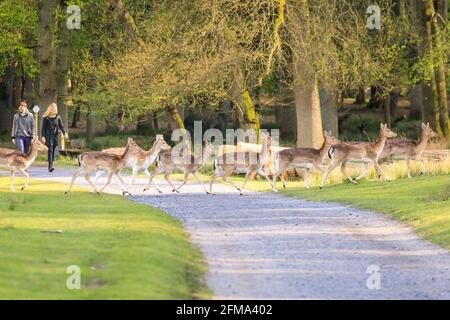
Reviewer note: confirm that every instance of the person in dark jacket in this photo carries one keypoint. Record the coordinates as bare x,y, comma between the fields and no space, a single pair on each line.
51,124
23,128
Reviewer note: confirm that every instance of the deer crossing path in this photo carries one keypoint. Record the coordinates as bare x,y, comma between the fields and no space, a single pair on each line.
267,246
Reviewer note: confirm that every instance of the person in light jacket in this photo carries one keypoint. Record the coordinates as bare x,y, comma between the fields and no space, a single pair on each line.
23,128
51,124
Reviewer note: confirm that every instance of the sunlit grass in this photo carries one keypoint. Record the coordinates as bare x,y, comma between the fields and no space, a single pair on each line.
125,250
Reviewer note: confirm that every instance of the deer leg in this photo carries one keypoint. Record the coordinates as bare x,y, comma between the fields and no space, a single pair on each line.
27,176
365,172
74,177
247,176
152,175
133,176
263,173
124,186
330,168
379,170
199,181
344,172
306,178
166,177
108,181
185,179
422,164
211,181
408,163
11,180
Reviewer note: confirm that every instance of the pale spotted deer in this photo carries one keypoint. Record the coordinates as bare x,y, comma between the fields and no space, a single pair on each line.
246,162
409,149
305,158
343,152
112,163
140,159
189,164
15,160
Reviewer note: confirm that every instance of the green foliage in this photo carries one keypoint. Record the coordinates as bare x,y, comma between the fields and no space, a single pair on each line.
18,21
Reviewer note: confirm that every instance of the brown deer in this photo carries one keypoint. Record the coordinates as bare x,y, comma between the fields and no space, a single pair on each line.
306,158
247,162
409,149
140,159
17,161
343,152
189,164
112,163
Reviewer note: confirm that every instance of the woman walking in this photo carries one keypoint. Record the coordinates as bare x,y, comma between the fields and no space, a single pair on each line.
51,125
23,128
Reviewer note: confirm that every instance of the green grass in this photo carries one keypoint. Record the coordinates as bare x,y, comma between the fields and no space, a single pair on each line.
421,202
125,250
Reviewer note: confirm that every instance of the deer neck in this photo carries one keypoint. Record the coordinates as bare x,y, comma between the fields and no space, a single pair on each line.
206,154
422,142
32,153
379,144
323,151
154,150
264,154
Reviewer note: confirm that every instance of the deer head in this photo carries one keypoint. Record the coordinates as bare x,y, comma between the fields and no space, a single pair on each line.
329,139
386,132
427,131
36,143
161,143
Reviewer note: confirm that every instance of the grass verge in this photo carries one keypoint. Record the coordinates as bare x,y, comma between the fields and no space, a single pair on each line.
124,250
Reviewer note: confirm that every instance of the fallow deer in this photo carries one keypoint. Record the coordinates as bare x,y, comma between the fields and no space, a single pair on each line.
247,162
305,158
15,160
140,159
409,149
343,152
96,160
189,164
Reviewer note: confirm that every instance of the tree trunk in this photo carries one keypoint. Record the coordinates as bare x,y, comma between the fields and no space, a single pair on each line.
90,126
251,116
415,98
62,69
309,119
361,96
375,98
425,11
387,111
437,27
328,106
45,52
10,95
393,102
173,111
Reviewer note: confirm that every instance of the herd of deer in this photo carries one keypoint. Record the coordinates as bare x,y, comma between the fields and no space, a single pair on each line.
266,162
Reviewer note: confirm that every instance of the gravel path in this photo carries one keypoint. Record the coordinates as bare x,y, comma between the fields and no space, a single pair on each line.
268,246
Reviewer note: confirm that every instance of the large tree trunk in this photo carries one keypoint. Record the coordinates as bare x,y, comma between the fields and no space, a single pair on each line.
45,52
10,95
307,102
393,102
415,98
328,105
62,69
437,27
424,10
361,96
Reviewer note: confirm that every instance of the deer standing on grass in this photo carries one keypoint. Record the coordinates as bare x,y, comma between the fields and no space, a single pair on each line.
248,162
343,152
188,164
17,161
112,163
306,158
409,149
140,159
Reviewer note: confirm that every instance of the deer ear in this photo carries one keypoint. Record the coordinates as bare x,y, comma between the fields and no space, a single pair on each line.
381,125
428,125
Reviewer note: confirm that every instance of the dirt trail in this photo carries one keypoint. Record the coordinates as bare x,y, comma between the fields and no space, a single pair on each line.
268,246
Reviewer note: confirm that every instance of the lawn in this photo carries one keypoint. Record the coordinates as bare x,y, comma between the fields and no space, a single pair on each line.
422,202
124,250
